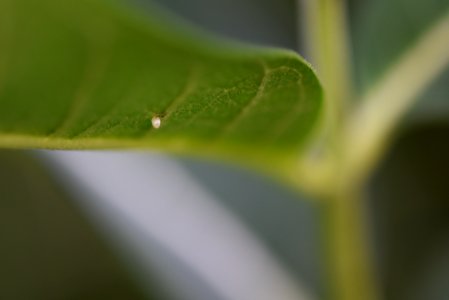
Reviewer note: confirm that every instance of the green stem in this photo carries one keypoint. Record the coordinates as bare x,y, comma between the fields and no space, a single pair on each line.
378,113
350,269
327,42
353,143
349,264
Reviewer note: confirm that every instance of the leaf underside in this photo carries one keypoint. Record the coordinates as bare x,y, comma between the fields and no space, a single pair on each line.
92,74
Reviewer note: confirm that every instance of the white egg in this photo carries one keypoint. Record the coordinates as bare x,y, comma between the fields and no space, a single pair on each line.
156,122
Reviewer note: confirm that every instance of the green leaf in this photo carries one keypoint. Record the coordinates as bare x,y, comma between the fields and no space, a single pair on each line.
93,73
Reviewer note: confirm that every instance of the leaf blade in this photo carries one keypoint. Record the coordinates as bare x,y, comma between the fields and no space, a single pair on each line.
87,74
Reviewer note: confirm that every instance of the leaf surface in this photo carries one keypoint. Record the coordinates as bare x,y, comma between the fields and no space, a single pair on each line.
92,74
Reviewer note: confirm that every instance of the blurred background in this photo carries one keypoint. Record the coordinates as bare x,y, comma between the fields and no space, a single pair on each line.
127,225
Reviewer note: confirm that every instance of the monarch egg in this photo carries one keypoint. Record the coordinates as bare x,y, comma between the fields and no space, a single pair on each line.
156,122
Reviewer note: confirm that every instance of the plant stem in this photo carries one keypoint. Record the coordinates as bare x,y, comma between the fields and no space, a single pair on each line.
349,265
372,123
349,262
327,42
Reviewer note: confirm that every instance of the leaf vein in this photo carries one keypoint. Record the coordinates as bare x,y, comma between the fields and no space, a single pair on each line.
94,71
189,87
253,102
287,121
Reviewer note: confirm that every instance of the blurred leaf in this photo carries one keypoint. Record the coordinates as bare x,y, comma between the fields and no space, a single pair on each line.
92,74
410,207
433,104
384,29
400,49
48,249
